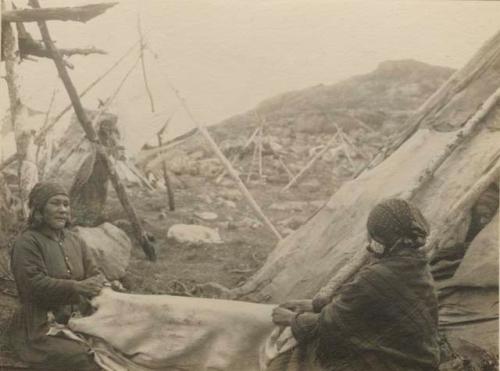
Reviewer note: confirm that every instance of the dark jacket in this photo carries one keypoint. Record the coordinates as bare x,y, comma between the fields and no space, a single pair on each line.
45,271
386,319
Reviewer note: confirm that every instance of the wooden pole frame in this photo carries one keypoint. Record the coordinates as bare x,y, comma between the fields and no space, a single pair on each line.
361,257
311,162
466,132
143,65
143,238
233,160
166,177
254,157
100,111
225,162
43,133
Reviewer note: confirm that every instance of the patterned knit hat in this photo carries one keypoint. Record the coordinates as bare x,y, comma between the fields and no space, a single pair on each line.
42,192
397,220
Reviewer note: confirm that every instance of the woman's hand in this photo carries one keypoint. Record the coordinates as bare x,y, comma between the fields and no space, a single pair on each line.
92,286
298,306
282,316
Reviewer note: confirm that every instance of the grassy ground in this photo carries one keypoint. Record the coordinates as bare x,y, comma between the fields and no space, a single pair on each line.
180,267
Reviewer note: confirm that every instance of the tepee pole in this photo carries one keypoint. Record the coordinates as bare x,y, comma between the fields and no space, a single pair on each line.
55,120
225,162
233,160
359,259
166,177
254,158
311,162
463,134
139,232
143,65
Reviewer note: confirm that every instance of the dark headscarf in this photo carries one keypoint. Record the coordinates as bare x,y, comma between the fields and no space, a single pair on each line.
396,221
38,198
42,192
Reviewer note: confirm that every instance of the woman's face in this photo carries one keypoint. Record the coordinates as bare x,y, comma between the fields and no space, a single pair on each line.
56,212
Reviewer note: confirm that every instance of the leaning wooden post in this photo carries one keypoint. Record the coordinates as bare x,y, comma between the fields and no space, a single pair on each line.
45,122
248,142
254,158
143,65
261,139
326,293
351,144
310,163
139,232
345,146
234,174
40,137
283,165
9,160
462,135
166,177
463,205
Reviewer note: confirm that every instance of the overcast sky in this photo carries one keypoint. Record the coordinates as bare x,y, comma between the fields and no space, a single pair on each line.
226,56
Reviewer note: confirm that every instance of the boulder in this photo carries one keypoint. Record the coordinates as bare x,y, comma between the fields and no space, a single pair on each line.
206,215
312,185
247,222
227,182
278,178
289,206
193,234
227,203
293,222
110,246
197,155
206,198
209,167
230,194
318,203
286,231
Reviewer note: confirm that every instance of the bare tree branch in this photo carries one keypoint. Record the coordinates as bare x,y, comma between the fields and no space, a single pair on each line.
77,13
143,238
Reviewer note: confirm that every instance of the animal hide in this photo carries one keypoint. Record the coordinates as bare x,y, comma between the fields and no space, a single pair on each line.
163,332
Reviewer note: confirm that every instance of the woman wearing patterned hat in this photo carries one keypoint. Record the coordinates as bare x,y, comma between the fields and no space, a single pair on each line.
384,319
55,276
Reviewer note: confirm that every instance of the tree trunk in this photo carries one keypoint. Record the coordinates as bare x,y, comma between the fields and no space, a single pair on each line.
9,47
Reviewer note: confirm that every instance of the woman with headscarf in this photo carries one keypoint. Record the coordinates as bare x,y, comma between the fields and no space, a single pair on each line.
55,276
385,319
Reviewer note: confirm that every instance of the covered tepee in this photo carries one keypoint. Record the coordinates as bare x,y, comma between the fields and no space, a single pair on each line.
444,162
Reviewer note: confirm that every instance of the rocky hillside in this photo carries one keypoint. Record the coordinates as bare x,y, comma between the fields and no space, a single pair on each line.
370,109
380,99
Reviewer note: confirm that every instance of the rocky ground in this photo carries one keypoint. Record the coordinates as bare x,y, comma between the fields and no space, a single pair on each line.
370,110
